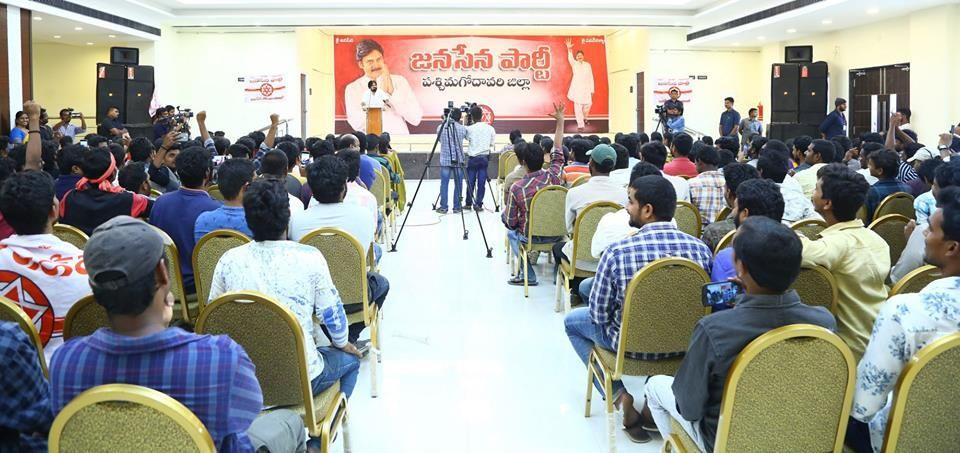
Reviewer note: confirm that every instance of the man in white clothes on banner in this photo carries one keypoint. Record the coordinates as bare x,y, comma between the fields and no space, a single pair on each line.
403,106
581,85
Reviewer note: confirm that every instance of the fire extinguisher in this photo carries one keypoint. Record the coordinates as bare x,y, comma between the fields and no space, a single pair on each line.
760,111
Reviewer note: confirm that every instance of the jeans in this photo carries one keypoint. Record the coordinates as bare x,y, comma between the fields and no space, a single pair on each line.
477,177
558,257
663,406
584,334
377,253
445,174
337,366
585,287
278,431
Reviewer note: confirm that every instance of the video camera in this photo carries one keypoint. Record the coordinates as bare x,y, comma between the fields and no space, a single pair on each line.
464,110
660,110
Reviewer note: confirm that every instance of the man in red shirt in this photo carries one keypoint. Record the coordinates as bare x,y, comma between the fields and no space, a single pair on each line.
681,165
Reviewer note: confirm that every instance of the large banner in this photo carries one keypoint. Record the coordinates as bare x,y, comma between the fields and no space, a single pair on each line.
515,79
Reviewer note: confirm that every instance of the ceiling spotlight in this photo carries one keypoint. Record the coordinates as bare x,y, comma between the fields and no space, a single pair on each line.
761,38
826,22
56,36
89,43
111,36
873,11
78,28
791,30
736,44
37,18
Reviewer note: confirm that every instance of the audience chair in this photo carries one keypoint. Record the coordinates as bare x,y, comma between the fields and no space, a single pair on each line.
11,311
389,202
214,191
896,203
580,181
545,218
916,280
791,389
890,228
207,253
71,234
84,318
723,214
810,228
817,287
688,219
661,307
380,192
346,260
279,358
583,230
506,163
725,241
862,214
922,416
400,186
126,418
154,193
189,306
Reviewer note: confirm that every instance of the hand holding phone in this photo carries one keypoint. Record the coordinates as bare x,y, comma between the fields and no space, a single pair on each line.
721,295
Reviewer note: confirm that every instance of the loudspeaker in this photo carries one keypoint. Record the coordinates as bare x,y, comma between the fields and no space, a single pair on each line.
783,93
798,54
139,93
812,93
125,56
111,89
786,131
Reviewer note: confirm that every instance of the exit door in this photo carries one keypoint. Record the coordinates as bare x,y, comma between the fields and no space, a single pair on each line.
875,93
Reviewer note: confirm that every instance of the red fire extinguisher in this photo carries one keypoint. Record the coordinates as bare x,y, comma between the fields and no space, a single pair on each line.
760,111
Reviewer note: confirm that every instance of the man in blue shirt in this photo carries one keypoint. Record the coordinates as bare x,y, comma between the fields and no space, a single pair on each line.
755,197
25,413
233,178
883,165
729,119
176,212
835,123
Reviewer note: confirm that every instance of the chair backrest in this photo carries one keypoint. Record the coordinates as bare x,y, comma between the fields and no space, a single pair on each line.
723,214
862,214
508,161
273,339
379,188
11,311
580,181
817,287
790,389
586,226
896,203
84,318
214,191
347,262
172,258
688,218
207,253
725,241
916,280
154,193
124,417
890,228
546,214
810,228
922,416
71,234
662,306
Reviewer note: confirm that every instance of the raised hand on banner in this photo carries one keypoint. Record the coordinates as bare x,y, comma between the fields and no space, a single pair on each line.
557,113
569,43
385,82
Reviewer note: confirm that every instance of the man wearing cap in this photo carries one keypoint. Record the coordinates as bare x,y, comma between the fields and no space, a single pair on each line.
835,123
128,276
599,187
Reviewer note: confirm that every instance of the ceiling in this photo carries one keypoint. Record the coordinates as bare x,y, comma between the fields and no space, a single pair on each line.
47,28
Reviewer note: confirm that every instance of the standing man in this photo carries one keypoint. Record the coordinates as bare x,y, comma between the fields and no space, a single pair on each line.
480,139
729,119
581,86
835,123
65,129
374,99
451,160
750,127
405,107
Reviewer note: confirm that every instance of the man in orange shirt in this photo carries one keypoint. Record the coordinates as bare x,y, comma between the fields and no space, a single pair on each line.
681,165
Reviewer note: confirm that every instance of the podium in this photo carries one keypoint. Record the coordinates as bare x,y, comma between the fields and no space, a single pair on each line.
374,120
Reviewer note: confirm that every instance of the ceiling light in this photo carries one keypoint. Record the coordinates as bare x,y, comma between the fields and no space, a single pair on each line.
826,22
873,11
761,38
37,18
791,30
78,28
111,36
736,44
56,36
89,43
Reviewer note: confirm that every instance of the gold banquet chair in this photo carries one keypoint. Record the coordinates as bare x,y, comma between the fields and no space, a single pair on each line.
916,280
279,358
817,287
84,318
662,306
71,234
207,253
583,230
580,181
544,219
896,203
790,389
890,228
189,308
688,219
810,228
506,163
11,311
723,214
380,191
127,418
346,260
922,416
214,192
725,241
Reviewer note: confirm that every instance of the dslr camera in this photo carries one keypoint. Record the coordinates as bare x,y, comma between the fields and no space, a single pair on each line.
464,110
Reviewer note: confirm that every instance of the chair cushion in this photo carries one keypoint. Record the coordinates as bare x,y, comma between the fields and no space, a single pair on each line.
322,403
580,273
686,442
634,367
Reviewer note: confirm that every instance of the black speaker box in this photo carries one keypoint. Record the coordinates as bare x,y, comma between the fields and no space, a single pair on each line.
783,87
812,93
798,54
111,89
139,93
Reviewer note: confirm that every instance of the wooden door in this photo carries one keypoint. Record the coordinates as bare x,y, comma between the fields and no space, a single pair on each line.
864,84
641,110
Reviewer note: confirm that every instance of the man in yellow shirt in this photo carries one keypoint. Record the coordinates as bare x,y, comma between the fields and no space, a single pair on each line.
858,258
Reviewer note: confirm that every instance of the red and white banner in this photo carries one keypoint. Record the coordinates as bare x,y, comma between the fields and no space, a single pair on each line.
663,85
515,78
263,88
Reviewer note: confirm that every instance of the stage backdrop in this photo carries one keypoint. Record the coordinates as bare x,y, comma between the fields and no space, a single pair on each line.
514,78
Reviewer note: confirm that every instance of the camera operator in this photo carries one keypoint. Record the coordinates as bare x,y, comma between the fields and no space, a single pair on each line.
65,129
162,121
480,139
672,112
451,158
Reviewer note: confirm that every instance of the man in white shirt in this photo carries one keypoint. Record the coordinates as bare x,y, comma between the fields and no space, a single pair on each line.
796,207
581,86
480,139
819,154
327,178
65,129
403,108
38,271
655,153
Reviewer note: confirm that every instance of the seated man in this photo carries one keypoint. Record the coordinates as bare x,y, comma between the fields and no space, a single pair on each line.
273,165
883,166
767,256
656,154
707,189
652,205
25,397
772,166
327,178
818,155
176,212
140,349
307,291
579,147
733,175
857,257
95,199
756,197
515,174
233,178
43,274
681,165
908,322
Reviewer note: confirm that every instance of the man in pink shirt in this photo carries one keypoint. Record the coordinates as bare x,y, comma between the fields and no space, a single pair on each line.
681,165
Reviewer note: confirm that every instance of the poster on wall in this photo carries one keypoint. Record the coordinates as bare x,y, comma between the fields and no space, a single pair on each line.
263,88
662,86
514,79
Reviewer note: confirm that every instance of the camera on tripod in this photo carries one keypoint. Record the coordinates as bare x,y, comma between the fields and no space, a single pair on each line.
660,110
464,110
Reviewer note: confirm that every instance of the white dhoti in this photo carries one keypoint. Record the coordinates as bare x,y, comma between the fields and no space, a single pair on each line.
581,89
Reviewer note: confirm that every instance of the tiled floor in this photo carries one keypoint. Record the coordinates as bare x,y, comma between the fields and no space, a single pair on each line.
469,365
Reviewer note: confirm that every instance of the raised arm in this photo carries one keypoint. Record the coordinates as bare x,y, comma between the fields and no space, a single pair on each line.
891,142
202,124
34,160
272,133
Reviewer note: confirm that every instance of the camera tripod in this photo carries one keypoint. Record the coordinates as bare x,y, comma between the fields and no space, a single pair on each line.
445,127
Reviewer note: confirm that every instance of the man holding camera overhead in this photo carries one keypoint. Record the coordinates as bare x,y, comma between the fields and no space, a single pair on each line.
65,129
